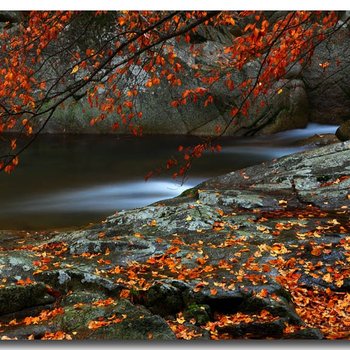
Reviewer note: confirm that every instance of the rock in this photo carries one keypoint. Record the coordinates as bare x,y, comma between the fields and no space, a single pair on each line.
67,279
92,246
299,177
343,132
164,299
16,264
14,298
78,318
285,111
35,331
149,327
288,110
318,140
239,246
10,16
281,308
198,312
327,88
83,296
136,324
255,330
307,333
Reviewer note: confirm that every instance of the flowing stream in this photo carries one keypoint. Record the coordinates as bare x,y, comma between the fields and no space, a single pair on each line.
69,181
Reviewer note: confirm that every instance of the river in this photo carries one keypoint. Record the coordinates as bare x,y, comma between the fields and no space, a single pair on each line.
70,181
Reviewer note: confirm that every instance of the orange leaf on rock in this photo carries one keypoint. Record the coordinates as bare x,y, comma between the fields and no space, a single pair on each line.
213,291
24,282
316,251
125,293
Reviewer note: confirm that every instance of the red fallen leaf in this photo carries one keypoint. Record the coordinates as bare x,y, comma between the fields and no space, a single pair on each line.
78,306
53,292
104,262
213,291
316,251
125,293
13,322
218,226
337,181
43,316
172,250
263,293
46,260
139,235
101,234
103,302
152,260
152,223
118,320
98,324
24,282
220,212
149,335
201,261
59,335
177,241
266,268
115,270
223,264
327,278
208,268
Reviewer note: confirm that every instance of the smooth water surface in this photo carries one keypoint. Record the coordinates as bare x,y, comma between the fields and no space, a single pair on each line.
65,181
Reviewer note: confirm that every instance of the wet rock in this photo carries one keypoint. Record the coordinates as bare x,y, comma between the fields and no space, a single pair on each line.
200,313
16,265
137,327
226,247
100,246
288,110
255,330
16,297
35,331
223,301
296,178
163,299
67,279
281,308
307,333
78,319
343,132
238,198
83,296
134,322
318,140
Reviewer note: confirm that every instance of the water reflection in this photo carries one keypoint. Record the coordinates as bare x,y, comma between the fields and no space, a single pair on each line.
264,152
104,198
72,180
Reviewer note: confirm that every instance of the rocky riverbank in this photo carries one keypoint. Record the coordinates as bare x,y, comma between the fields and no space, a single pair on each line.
257,253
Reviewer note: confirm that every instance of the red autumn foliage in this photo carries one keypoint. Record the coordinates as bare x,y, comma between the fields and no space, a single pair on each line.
32,86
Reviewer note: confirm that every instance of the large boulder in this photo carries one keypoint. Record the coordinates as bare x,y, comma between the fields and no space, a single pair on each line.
18,297
284,111
326,79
